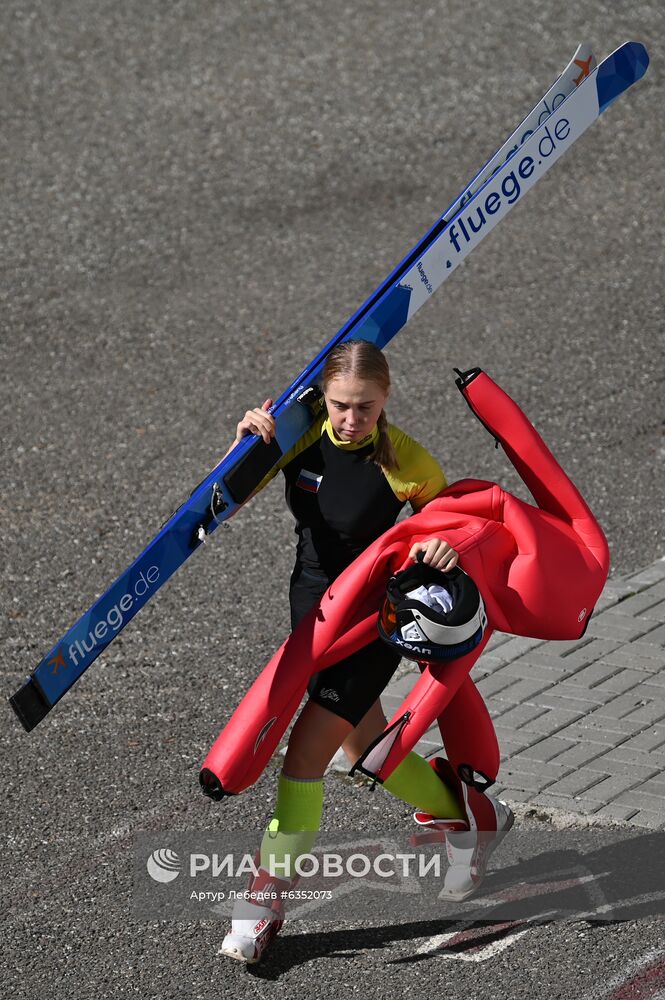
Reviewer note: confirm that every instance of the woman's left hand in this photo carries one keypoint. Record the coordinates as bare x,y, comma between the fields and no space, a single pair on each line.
438,554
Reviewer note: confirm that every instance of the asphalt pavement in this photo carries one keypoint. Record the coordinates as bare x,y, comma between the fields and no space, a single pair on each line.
194,198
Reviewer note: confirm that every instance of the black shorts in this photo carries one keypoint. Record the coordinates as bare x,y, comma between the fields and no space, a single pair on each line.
348,688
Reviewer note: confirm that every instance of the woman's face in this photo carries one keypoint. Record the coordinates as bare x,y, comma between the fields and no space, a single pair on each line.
354,406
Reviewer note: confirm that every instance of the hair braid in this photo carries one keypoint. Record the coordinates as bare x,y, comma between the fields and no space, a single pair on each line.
384,451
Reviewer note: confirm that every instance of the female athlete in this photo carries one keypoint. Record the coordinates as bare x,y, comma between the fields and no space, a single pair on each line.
346,482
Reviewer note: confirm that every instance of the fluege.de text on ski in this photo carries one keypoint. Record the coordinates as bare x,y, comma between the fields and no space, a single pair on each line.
465,225
528,158
84,641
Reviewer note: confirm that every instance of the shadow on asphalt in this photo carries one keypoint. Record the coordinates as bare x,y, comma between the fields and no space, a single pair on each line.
619,881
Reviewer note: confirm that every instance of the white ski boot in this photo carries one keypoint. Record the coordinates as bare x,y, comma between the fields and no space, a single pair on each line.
469,842
256,919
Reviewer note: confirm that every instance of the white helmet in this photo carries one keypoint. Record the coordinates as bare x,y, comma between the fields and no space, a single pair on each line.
430,615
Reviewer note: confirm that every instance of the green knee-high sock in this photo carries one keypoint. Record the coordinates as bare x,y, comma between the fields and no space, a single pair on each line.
415,782
295,825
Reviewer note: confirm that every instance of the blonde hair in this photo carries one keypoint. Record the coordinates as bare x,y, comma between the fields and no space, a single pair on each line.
362,359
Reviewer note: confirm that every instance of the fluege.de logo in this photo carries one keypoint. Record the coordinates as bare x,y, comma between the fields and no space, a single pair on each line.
112,621
468,225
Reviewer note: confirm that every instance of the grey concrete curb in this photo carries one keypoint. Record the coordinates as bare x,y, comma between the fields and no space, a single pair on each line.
581,724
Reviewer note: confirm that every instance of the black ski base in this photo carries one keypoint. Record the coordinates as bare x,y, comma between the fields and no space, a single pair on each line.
30,704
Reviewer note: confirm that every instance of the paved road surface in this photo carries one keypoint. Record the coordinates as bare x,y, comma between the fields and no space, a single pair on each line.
194,198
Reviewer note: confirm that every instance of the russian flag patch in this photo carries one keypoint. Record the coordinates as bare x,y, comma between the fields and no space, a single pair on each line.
309,481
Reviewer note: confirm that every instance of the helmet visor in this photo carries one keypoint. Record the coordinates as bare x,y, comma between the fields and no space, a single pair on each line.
388,616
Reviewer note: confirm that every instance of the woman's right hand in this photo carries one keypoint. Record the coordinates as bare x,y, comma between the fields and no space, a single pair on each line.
257,421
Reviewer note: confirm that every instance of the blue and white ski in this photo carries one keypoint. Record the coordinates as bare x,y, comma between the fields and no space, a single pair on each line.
577,98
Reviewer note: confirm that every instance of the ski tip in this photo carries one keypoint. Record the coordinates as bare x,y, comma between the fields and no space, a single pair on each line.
619,71
640,57
585,60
